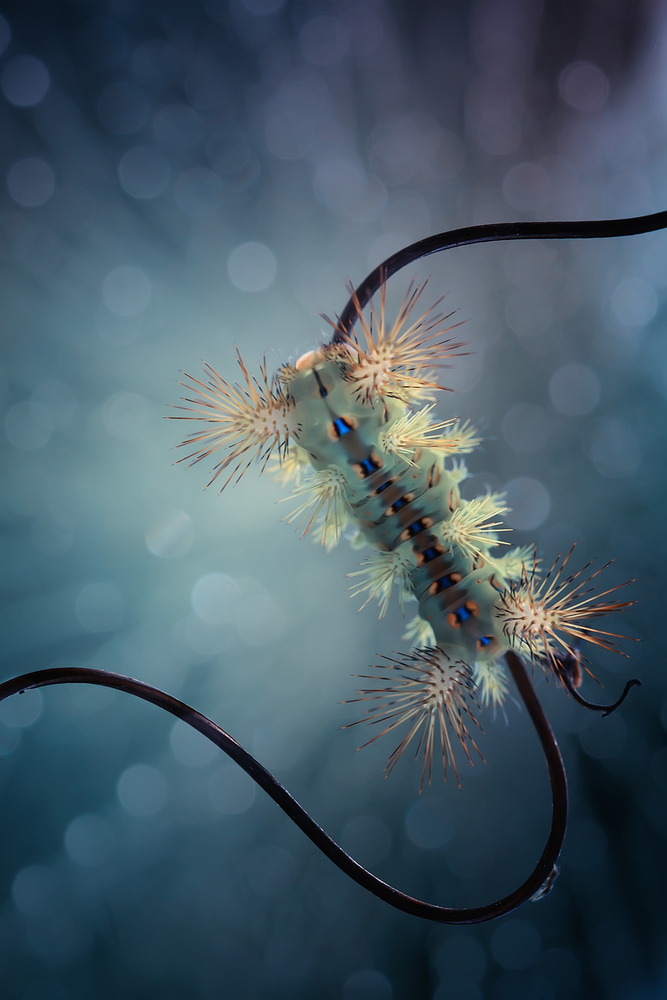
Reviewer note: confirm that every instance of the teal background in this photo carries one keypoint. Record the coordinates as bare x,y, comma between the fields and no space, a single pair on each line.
182,178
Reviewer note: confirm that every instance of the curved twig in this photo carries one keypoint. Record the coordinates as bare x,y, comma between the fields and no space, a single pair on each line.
537,883
493,233
605,709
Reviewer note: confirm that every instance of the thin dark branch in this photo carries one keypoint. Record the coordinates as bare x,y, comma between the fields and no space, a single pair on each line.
605,709
493,233
537,883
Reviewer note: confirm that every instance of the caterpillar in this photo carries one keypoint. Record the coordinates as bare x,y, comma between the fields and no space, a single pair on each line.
352,423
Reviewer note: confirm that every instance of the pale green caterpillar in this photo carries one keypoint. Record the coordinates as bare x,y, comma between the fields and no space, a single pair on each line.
351,412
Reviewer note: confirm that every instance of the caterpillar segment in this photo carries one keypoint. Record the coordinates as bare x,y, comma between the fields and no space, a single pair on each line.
387,474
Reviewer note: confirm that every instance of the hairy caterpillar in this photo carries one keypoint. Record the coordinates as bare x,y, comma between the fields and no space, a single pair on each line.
352,411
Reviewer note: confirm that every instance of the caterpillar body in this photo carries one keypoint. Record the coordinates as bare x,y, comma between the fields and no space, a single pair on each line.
353,412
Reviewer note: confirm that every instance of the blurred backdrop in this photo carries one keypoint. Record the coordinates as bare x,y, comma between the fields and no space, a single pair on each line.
179,178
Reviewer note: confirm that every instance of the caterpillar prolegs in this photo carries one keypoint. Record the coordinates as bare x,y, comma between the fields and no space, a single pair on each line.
358,414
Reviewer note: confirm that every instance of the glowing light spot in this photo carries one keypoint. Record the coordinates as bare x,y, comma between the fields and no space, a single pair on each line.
25,81
19,713
584,86
170,535
28,425
126,415
142,790
575,390
214,598
529,502
144,172
367,984
634,302
89,841
126,291
31,182
252,267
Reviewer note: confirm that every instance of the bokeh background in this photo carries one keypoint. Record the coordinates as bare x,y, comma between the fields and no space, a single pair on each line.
179,178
